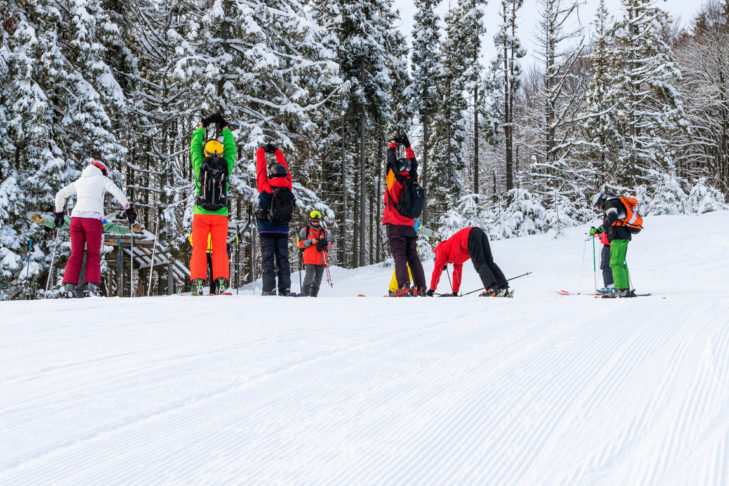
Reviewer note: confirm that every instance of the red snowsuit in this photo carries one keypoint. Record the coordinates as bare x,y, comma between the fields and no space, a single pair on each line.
453,250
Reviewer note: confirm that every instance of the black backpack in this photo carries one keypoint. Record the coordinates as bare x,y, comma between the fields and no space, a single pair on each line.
283,203
412,199
213,180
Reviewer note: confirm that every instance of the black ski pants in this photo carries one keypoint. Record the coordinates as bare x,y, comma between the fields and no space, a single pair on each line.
275,254
403,245
607,272
480,251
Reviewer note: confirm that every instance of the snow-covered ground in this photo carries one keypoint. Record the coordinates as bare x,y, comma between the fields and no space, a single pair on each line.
539,389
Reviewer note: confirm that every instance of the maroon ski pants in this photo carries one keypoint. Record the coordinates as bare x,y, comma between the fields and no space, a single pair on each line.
85,232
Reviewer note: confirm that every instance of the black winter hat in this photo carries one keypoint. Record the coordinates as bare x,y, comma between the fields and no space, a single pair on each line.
277,170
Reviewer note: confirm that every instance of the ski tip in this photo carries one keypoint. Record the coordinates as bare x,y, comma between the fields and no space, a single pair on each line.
563,292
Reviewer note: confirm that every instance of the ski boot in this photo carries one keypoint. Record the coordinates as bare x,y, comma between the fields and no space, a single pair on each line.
619,294
268,292
404,291
92,290
69,291
198,287
605,290
496,292
222,286
418,292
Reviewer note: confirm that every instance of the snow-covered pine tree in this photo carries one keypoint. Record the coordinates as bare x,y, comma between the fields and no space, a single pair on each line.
472,28
427,72
601,123
644,74
451,120
363,67
502,85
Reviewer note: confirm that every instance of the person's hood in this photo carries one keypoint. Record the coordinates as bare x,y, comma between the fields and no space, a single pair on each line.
91,171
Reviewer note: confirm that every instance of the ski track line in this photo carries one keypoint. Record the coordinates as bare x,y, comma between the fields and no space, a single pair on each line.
566,409
126,423
644,418
283,456
702,394
548,396
449,428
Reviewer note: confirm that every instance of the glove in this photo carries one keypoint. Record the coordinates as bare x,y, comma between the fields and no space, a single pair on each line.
262,214
430,292
596,231
206,121
131,214
398,139
59,219
405,141
270,148
322,245
218,119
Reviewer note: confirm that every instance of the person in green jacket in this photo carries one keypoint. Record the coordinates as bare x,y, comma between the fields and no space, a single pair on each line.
212,165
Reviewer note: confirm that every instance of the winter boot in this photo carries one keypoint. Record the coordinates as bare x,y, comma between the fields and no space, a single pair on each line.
222,286
92,290
69,291
618,294
626,293
404,291
284,292
418,292
198,287
268,292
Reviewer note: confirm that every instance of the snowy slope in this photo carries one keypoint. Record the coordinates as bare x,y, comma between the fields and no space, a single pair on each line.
539,389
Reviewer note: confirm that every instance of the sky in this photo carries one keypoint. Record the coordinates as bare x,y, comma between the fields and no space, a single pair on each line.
682,11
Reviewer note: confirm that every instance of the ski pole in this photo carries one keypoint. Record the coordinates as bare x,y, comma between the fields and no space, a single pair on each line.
449,277
131,263
237,258
326,266
154,247
27,260
582,268
53,259
508,280
594,266
301,287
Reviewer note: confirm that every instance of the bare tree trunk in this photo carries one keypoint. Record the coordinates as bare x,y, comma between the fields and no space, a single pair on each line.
475,140
362,153
343,212
426,140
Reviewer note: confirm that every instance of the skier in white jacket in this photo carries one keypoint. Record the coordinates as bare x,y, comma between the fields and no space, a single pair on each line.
86,224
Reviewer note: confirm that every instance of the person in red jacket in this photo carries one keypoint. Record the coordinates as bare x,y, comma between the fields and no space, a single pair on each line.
314,241
474,244
400,229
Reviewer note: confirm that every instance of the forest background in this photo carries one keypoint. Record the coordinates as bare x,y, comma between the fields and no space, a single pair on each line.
633,105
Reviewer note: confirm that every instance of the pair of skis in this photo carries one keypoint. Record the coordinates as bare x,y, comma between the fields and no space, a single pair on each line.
597,295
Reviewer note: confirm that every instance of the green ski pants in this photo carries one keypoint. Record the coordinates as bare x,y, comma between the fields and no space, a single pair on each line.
618,251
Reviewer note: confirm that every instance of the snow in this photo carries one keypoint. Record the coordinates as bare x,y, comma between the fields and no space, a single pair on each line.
539,389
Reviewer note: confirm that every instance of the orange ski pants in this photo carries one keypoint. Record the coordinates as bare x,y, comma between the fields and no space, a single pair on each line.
217,227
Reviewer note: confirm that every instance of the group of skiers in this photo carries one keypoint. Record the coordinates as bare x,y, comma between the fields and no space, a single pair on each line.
213,161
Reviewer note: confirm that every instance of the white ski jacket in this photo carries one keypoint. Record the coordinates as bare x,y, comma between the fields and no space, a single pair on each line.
89,190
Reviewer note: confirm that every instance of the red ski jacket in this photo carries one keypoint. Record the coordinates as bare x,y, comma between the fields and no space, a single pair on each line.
305,238
453,250
394,183
262,180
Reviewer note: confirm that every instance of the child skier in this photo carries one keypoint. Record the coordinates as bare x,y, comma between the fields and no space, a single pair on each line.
315,241
275,207
87,224
607,272
212,166
400,229
474,244
621,219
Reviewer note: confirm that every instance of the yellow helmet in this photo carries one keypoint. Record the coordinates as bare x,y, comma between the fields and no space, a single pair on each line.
315,214
213,148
